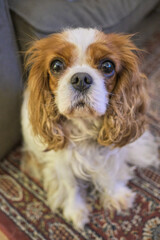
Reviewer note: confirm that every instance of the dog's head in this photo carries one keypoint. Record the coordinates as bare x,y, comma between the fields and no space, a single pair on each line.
84,73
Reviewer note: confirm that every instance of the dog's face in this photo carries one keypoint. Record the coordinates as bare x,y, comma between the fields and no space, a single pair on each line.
83,69
83,73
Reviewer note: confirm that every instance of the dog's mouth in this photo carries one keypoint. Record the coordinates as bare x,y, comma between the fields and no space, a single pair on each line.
80,105
81,109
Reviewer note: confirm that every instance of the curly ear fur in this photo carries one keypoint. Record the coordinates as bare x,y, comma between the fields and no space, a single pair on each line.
44,116
125,117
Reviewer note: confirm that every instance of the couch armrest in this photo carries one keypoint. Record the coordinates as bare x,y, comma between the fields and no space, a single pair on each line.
10,83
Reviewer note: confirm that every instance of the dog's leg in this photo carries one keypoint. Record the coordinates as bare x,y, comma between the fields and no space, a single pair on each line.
121,198
114,192
30,165
111,182
144,151
63,192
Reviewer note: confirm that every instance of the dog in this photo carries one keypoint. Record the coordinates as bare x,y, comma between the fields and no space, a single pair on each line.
84,119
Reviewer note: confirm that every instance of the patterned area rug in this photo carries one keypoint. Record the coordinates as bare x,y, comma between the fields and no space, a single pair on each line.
24,213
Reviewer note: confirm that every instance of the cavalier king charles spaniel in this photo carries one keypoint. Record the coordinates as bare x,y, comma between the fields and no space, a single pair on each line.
84,119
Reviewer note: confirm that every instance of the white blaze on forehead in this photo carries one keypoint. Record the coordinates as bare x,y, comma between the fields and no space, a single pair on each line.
82,38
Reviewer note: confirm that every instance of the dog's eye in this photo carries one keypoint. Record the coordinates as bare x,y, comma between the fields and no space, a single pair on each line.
108,68
57,66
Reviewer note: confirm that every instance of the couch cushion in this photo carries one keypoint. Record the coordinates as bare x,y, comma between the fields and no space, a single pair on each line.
51,16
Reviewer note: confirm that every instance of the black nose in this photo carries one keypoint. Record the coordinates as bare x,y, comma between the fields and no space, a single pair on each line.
81,81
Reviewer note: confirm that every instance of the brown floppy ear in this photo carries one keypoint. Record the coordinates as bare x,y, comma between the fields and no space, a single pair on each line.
125,118
43,113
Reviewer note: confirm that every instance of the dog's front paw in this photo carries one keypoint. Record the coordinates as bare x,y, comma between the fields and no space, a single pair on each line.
77,213
73,205
121,199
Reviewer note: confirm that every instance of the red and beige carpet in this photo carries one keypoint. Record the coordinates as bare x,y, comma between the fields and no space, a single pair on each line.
24,213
